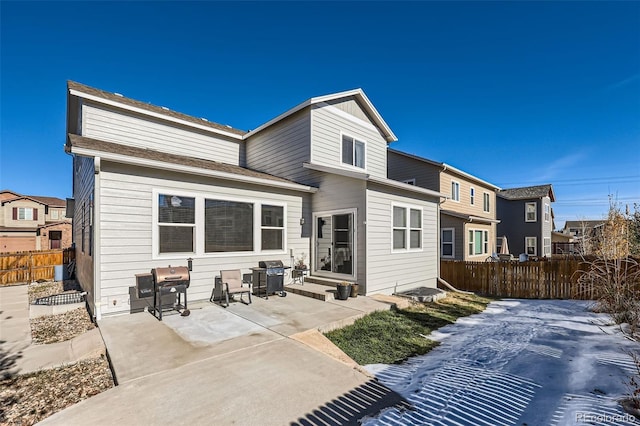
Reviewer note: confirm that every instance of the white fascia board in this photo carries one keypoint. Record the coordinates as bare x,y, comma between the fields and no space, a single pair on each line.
143,162
406,187
358,93
470,177
336,171
152,114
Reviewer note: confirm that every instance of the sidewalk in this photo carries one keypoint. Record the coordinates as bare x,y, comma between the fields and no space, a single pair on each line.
15,336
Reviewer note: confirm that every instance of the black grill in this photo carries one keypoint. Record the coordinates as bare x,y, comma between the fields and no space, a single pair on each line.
268,278
170,281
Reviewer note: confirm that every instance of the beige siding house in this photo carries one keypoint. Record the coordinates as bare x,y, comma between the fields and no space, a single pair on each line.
30,222
154,187
468,216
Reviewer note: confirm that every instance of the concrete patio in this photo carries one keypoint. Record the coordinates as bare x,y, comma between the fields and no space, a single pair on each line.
247,364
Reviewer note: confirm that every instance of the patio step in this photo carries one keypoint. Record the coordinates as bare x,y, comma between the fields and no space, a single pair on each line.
313,290
329,282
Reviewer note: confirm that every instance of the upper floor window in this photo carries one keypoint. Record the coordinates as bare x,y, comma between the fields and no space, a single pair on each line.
407,228
547,212
455,191
472,194
25,213
353,152
530,212
486,206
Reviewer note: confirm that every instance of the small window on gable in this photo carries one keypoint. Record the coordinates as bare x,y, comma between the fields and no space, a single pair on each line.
472,194
353,152
486,206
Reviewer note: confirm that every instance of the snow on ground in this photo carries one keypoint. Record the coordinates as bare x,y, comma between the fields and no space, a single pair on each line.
521,362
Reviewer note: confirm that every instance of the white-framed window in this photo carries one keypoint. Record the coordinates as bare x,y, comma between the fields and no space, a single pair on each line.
546,246
486,202
530,212
547,212
531,246
353,151
210,225
407,228
455,190
55,214
25,213
478,242
448,243
410,181
176,223
472,195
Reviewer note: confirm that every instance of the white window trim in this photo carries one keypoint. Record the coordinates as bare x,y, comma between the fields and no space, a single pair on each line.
472,195
199,225
55,214
458,191
535,245
410,181
408,228
486,202
485,242
352,166
453,243
535,211
546,246
547,212
25,216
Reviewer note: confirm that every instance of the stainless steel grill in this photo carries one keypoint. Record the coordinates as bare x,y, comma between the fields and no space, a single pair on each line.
170,280
268,278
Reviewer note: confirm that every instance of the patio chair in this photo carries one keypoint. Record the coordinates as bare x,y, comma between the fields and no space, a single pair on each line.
232,284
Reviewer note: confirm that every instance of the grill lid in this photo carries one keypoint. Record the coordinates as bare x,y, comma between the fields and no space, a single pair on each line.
270,264
172,275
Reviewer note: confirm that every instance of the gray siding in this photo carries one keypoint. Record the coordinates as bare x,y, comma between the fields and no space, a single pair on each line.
401,168
328,123
282,148
457,224
126,218
104,123
511,214
83,193
386,271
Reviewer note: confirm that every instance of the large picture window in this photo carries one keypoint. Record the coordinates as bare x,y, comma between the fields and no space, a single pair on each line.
176,223
205,225
407,228
228,226
353,152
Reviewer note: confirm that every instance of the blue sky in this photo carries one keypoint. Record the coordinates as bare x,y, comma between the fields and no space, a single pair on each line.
516,93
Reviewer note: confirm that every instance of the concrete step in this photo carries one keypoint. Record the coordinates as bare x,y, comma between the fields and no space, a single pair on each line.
313,290
329,282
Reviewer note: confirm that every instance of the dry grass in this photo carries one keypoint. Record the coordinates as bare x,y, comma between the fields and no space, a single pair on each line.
28,399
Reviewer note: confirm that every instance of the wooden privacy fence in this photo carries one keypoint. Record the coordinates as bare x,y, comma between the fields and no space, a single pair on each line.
29,266
550,279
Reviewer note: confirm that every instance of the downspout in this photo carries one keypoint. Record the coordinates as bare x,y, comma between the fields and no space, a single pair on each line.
439,247
97,288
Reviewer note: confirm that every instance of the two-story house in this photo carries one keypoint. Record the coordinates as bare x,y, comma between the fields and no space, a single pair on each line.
526,218
468,215
30,222
154,187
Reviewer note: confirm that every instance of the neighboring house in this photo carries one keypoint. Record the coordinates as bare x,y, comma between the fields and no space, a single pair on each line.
526,219
468,215
585,234
30,222
154,187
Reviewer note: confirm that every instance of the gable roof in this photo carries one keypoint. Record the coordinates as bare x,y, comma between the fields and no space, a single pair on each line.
22,197
528,192
445,167
155,159
588,224
87,92
357,94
